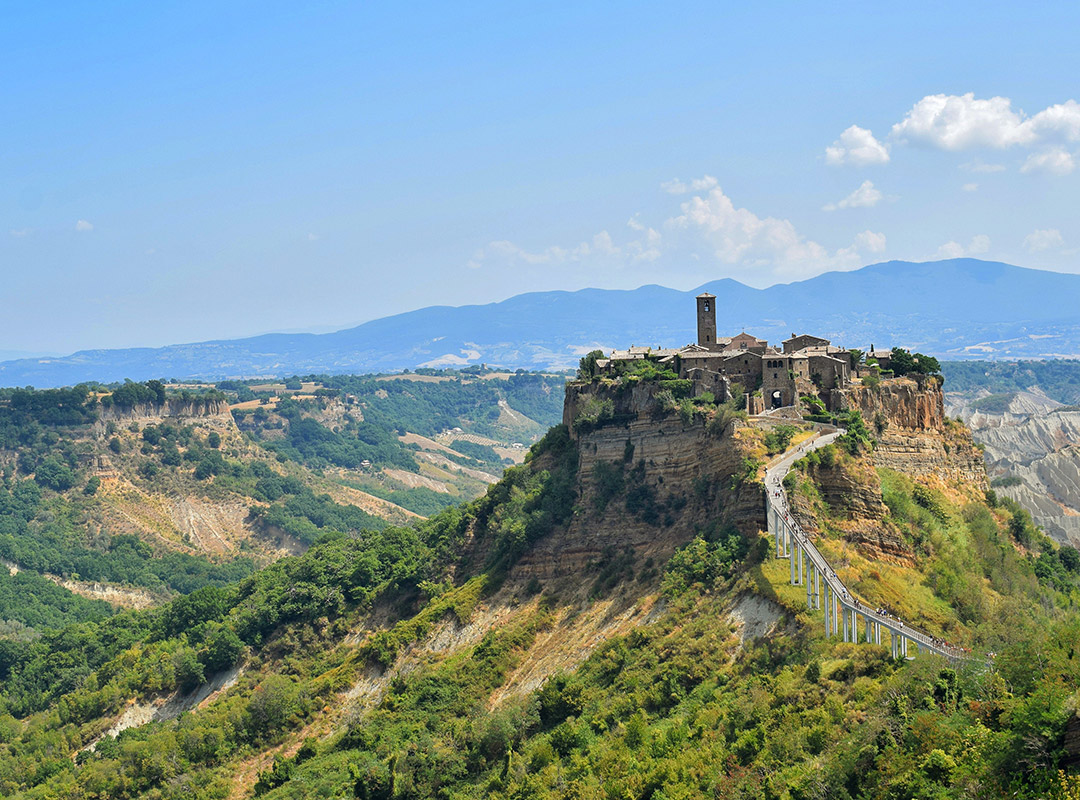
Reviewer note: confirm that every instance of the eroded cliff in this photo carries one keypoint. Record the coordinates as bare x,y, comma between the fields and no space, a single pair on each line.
913,434
649,479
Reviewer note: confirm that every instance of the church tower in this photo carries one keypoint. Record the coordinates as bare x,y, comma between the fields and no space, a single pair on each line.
706,320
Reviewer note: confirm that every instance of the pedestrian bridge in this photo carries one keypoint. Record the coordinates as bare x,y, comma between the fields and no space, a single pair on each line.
844,614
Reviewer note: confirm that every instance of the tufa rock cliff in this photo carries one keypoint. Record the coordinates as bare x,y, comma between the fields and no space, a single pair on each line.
649,479
171,408
914,436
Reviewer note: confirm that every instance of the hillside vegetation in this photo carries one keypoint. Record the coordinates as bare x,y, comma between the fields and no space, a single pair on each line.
1058,379
465,656
133,493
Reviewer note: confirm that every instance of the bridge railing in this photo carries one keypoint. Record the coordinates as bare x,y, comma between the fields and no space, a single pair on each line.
776,500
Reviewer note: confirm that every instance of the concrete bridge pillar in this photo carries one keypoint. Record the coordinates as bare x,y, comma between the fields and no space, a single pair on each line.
800,549
791,564
893,636
866,618
828,606
844,611
809,584
817,588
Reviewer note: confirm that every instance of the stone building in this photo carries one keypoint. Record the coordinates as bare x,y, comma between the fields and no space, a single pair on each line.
770,377
797,343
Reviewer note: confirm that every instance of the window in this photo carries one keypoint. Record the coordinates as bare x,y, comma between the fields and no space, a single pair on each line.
706,305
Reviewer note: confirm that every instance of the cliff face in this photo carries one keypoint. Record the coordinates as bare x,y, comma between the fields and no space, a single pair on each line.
913,434
648,481
172,407
626,440
851,490
908,404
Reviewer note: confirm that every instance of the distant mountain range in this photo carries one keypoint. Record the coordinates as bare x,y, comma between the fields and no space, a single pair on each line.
955,309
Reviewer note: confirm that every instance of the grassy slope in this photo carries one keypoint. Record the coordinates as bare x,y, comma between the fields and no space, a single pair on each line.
679,707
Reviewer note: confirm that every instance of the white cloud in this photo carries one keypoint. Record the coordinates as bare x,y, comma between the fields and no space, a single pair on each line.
313,237
676,186
1054,160
1058,121
866,196
979,244
970,187
708,228
82,225
1037,240
950,250
600,247
739,236
19,233
959,122
871,242
856,146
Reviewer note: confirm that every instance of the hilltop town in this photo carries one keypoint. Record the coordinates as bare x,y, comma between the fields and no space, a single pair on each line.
743,365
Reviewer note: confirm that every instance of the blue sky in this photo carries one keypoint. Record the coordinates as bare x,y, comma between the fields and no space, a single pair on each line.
176,173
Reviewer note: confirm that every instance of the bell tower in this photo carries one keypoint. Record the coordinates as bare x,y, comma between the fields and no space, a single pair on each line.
706,320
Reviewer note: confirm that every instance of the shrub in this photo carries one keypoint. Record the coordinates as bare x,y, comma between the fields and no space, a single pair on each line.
593,413
779,438
54,474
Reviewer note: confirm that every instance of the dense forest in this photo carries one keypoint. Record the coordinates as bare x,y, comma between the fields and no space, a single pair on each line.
1059,378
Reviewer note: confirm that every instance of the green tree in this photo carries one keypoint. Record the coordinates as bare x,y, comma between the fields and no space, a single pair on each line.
221,650
587,365
902,362
53,474
187,669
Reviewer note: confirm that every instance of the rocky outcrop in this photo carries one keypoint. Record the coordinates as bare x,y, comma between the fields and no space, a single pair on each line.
905,403
914,436
683,474
852,491
172,407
